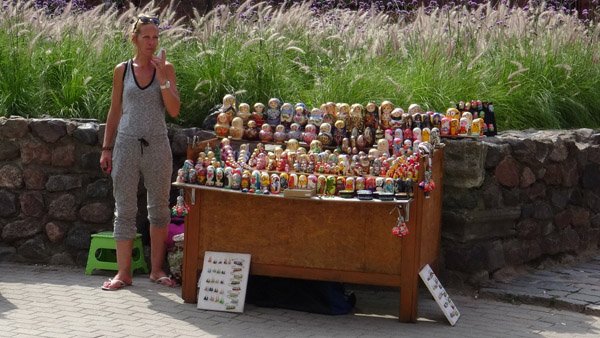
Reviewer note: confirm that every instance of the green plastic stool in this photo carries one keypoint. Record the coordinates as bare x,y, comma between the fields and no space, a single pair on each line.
103,253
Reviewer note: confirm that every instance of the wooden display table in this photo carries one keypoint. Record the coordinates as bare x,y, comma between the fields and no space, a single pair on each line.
330,239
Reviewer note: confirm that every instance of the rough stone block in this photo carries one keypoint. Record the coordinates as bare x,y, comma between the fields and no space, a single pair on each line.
464,163
464,225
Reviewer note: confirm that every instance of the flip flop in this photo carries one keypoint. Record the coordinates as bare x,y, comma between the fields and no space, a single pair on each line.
114,285
164,280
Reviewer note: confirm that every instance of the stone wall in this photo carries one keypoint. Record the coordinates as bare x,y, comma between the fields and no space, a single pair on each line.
520,197
508,200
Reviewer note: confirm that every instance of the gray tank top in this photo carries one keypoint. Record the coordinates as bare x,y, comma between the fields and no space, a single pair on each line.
143,108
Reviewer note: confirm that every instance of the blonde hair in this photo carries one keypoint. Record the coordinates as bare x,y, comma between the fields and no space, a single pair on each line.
144,19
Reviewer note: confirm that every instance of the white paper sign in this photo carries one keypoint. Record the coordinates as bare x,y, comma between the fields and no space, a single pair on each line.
439,294
223,281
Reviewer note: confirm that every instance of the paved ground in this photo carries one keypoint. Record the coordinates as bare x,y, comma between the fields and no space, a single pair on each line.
45,301
573,287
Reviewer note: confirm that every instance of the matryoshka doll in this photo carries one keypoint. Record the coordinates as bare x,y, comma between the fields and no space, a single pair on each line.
286,115
274,112
244,112
436,121
293,181
236,131
340,184
302,181
321,185
210,175
315,117
350,183
284,179
312,182
265,134
227,177
258,114
294,132
454,127
316,147
388,185
425,134
339,132
371,118
330,187
476,129
265,182
453,113
360,183
355,123
385,114
417,134
300,114
396,118
329,112
325,134
219,175
370,183
255,181
236,180
397,147
275,184
245,183
310,133
414,108
222,126
279,135
445,126
463,126
343,113
251,131
229,107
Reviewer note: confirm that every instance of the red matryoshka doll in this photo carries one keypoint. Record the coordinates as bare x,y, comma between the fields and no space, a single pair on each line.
222,126
360,183
201,175
350,183
300,114
340,183
425,134
453,127
265,182
407,134
293,181
210,175
258,114
463,126
310,133
417,134
445,126
245,183
388,135
275,186
302,181
370,183
312,182
321,185
265,134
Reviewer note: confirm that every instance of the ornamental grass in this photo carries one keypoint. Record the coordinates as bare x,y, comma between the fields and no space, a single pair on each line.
537,64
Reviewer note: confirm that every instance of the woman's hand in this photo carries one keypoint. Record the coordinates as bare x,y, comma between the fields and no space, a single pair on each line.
159,62
106,161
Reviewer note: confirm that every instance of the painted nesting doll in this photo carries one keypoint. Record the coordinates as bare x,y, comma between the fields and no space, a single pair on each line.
258,114
274,112
286,115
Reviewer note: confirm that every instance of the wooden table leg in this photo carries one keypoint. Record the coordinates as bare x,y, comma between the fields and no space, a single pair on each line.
189,278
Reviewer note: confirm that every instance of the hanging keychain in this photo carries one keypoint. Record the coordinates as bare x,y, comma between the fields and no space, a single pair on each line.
180,208
427,185
401,228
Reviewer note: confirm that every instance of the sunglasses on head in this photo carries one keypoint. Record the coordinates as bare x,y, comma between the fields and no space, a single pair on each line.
147,19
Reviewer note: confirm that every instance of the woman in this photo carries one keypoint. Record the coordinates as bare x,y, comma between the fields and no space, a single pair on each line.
136,144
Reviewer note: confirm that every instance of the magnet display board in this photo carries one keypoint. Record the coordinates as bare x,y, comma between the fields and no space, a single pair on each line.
223,282
439,294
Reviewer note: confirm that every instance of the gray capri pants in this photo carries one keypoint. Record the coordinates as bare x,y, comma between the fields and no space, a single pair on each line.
150,157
